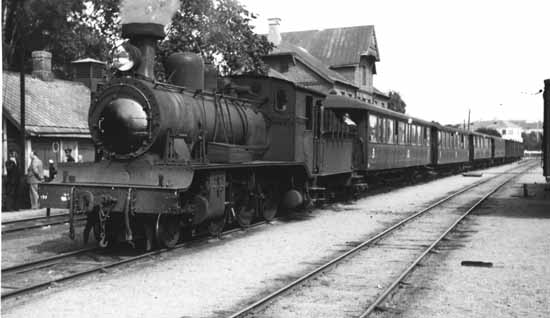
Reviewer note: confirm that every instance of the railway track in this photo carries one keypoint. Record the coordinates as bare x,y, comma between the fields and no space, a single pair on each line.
42,273
37,222
366,274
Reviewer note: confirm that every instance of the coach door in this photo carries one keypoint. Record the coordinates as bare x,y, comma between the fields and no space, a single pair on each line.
317,109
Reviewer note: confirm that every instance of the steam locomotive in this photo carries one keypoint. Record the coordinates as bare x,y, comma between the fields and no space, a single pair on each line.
184,155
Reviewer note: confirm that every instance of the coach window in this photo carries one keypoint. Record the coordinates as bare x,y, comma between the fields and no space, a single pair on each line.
419,135
281,102
373,127
380,131
391,127
384,130
401,132
309,112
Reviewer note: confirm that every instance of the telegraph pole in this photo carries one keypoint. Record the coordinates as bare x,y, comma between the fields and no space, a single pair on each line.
22,129
469,110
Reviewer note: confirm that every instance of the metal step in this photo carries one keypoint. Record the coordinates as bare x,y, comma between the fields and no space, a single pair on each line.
317,189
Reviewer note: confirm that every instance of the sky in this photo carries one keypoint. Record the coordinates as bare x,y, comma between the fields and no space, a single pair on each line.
443,57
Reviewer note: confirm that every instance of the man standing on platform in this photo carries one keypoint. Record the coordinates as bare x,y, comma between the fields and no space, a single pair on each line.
35,175
11,185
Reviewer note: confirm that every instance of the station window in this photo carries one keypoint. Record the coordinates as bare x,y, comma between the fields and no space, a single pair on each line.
282,101
373,125
309,112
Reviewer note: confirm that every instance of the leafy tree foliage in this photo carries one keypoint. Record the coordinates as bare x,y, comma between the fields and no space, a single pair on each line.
396,103
488,131
69,29
220,31
532,140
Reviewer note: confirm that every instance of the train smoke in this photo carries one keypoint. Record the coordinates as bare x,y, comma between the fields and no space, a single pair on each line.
148,11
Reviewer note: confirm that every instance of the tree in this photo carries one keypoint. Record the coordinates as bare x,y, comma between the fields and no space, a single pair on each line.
220,31
532,140
488,131
69,29
396,103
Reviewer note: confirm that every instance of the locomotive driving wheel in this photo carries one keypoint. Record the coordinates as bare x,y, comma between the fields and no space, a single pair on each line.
268,205
215,227
167,230
245,209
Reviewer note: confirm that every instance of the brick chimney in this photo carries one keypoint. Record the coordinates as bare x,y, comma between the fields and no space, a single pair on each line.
89,71
42,65
274,34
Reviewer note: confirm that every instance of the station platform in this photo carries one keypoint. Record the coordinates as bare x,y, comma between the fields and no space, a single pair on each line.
8,216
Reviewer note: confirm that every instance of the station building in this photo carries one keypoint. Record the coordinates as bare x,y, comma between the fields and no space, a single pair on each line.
339,61
56,111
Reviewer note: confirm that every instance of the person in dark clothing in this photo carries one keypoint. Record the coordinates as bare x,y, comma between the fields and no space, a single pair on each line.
52,171
12,184
69,157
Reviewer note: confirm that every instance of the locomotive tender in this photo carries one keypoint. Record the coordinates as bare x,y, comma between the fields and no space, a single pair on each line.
179,157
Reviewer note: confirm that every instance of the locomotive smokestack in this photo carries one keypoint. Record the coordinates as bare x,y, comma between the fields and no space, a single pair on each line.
143,23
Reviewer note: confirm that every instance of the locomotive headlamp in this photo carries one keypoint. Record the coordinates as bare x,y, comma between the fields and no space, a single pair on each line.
126,57
122,60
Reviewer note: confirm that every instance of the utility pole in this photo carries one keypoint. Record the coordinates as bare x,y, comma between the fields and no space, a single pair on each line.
469,110
22,129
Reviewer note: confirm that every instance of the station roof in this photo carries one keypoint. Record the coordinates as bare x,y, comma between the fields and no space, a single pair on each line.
338,46
310,61
52,108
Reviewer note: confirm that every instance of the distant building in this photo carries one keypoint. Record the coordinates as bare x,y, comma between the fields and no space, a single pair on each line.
507,129
56,112
339,60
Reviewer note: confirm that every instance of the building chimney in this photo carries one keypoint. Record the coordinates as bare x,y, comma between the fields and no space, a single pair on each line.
274,34
89,71
42,65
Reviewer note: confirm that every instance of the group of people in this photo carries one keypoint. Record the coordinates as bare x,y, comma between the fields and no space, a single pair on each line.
35,175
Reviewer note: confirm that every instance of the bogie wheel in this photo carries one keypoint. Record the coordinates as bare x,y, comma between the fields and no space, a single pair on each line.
167,230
